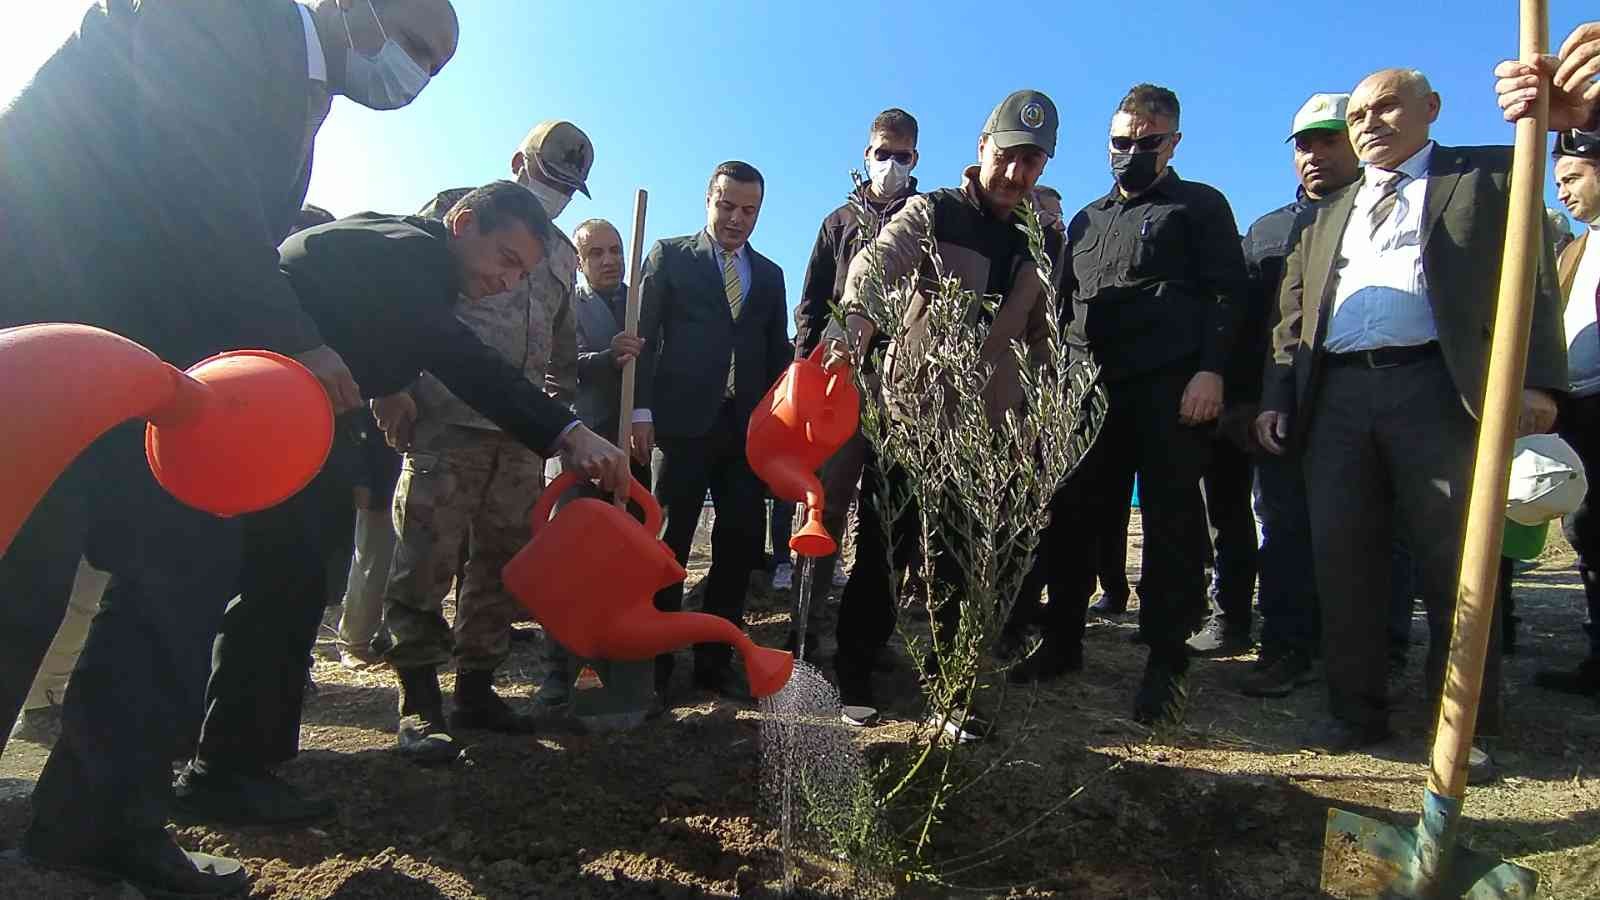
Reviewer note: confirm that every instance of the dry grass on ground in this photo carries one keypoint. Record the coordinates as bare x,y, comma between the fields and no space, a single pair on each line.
1225,807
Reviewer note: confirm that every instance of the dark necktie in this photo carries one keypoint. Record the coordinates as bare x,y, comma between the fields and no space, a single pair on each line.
1388,197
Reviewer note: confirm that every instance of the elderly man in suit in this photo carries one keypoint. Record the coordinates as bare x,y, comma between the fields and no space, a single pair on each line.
714,322
1377,374
602,311
152,166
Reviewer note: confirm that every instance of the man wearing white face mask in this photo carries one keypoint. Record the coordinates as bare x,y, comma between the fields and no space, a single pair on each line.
451,447
865,609
195,123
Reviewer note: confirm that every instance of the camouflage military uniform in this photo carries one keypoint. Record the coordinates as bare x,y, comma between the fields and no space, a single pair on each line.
466,482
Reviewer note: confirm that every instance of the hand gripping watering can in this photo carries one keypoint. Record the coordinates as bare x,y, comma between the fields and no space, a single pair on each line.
590,576
236,433
804,419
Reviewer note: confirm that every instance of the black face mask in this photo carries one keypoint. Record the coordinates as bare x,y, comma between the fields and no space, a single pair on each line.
1134,171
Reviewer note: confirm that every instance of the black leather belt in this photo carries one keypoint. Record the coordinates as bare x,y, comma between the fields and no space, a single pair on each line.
1385,357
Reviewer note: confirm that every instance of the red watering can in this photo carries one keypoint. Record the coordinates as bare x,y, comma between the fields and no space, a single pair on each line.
804,419
569,578
238,432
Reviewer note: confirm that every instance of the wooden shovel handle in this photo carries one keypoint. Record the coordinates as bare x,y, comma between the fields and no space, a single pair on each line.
1502,403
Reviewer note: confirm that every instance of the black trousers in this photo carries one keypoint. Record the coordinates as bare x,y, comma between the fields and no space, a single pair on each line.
689,467
1228,487
1111,566
135,697
1389,453
1579,426
1141,435
258,661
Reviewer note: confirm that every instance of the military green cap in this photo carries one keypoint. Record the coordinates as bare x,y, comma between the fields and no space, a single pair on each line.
1025,117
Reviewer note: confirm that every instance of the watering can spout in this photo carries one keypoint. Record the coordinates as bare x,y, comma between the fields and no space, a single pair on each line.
65,385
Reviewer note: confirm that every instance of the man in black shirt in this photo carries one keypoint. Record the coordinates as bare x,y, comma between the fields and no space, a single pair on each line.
381,291
1155,280
866,602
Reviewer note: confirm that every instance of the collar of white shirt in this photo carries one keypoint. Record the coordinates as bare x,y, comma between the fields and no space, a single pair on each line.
1415,167
316,63
722,252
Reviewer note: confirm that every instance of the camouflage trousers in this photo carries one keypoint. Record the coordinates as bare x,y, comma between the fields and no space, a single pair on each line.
459,487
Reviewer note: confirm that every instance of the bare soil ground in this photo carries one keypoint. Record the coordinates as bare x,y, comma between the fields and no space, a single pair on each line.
1225,807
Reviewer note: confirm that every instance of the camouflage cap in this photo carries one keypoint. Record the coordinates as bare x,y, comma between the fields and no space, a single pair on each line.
562,152
1025,117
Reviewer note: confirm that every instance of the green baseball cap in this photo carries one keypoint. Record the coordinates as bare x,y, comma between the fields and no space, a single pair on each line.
1024,117
1323,112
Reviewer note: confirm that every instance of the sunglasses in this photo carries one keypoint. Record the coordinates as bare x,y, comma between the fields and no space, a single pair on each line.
1578,143
902,157
1147,144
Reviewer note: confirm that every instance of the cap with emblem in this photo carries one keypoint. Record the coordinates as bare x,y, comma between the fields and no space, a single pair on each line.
1025,117
562,152
1582,144
1323,112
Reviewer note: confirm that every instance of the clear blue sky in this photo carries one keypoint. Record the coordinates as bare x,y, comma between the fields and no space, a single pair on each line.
668,89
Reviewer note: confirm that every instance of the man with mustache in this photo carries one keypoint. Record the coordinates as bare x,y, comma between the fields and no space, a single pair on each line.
1157,280
1380,355
976,230
714,326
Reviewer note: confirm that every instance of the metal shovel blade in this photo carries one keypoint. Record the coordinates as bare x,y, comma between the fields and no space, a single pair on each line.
1363,857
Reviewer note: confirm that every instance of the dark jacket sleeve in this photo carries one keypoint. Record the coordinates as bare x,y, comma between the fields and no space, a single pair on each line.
1222,277
780,350
816,293
494,387
655,299
190,125
1278,380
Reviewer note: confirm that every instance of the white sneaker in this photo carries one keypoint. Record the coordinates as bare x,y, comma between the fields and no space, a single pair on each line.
783,577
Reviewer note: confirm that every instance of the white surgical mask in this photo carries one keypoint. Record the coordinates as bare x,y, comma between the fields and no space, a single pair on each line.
888,176
552,200
389,80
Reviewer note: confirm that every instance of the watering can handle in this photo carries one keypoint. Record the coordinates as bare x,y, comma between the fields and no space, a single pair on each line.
564,482
817,356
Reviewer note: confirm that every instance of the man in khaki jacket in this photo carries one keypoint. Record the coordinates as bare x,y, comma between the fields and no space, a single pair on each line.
974,228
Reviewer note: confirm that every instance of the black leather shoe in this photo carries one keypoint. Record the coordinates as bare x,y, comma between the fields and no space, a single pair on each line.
1336,736
1584,680
154,866
1054,658
1291,670
238,799
422,736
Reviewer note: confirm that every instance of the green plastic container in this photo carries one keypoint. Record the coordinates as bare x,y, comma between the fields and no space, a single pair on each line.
1524,541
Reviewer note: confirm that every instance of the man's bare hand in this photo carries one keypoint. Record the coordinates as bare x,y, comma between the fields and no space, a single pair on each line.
1272,431
396,415
643,441
1538,413
625,347
584,451
836,354
329,367
1202,399
1572,72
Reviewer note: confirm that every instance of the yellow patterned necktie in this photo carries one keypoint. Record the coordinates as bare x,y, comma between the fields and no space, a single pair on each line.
735,291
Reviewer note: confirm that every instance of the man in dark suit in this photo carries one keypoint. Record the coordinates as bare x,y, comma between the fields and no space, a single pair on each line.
151,168
1378,371
714,323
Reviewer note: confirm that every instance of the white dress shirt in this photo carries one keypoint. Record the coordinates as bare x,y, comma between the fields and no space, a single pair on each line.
1382,295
